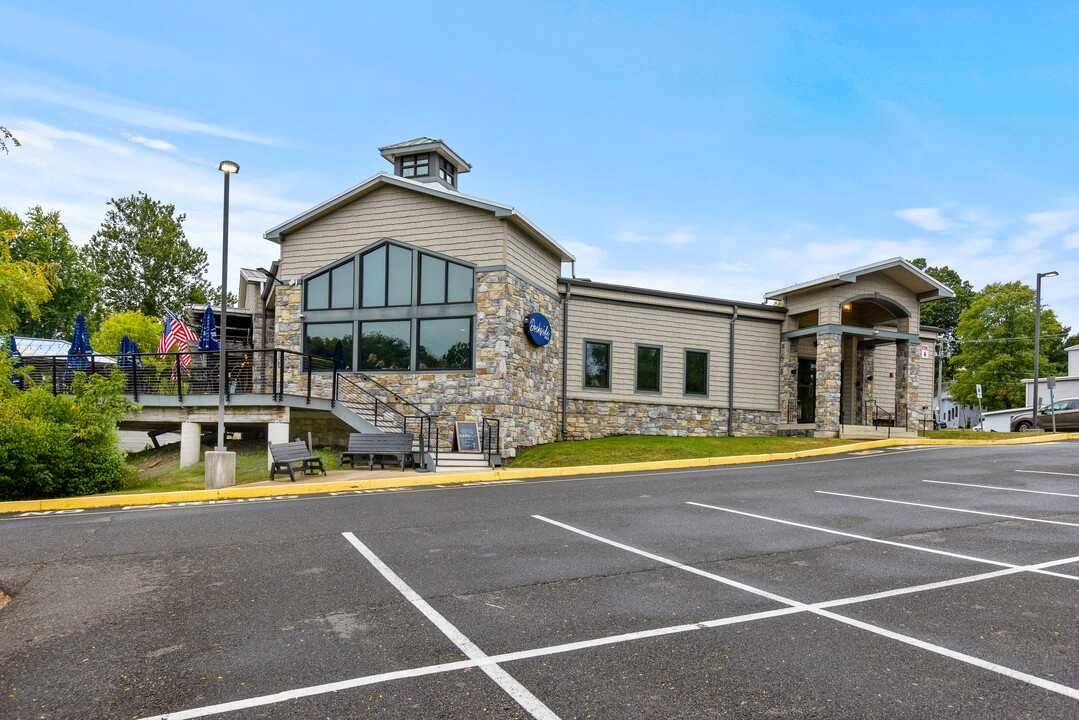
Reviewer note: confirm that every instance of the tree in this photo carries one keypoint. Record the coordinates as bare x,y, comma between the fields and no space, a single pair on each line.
6,135
945,313
42,239
144,330
996,340
24,286
144,259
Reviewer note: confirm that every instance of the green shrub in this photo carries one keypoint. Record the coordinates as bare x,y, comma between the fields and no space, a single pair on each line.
64,445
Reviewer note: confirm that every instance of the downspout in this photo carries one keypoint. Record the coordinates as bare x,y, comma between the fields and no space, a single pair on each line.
565,351
730,377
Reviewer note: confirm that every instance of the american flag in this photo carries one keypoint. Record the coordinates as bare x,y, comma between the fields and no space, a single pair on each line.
176,335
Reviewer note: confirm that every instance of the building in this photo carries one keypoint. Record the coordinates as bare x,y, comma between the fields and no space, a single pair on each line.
460,306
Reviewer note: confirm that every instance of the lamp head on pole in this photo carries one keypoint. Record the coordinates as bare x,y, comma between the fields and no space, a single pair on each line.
1051,273
227,166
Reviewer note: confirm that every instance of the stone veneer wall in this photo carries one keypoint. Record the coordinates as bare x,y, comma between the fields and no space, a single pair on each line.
906,380
788,381
829,376
514,381
588,419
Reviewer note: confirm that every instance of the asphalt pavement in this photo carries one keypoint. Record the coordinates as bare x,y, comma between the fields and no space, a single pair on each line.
894,583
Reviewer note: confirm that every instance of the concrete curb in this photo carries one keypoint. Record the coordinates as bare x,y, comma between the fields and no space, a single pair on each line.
288,488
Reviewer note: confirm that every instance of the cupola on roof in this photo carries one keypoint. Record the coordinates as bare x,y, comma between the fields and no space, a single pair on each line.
426,160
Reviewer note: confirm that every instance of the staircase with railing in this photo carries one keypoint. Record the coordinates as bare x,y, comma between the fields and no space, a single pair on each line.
387,411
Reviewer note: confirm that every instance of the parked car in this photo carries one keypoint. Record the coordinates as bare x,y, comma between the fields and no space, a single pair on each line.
1066,412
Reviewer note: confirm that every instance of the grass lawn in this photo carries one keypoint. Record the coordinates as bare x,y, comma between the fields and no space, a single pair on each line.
635,448
961,434
158,469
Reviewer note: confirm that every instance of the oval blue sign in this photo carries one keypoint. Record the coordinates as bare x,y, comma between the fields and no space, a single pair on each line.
538,329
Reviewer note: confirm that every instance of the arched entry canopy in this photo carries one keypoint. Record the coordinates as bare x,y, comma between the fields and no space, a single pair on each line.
833,337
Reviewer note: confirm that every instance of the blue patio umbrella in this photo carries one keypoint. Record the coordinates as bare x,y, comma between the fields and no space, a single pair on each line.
338,356
133,351
125,352
208,333
13,353
80,350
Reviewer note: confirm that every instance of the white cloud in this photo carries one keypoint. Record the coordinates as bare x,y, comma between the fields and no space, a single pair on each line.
150,143
122,109
929,218
678,237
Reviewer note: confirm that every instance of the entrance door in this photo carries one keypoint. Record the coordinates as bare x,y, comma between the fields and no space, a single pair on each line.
807,390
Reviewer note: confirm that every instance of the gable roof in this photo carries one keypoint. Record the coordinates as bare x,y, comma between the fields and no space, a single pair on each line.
924,286
279,233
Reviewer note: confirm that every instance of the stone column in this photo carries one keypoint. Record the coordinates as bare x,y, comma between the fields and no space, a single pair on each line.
906,382
788,381
829,377
865,359
190,439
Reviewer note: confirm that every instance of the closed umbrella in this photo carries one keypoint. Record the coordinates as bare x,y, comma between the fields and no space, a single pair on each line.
133,350
13,353
80,350
208,333
125,352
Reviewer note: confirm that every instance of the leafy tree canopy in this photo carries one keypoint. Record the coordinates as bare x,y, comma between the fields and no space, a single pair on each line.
996,339
24,286
144,330
945,313
5,136
144,259
42,239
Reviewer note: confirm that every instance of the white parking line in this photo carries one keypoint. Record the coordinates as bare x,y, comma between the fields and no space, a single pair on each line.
893,543
997,487
937,649
507,682
1048,472
952,509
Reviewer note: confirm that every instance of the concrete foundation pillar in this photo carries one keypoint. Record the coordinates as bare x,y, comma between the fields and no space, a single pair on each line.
220,469
276,432
190,441
829,383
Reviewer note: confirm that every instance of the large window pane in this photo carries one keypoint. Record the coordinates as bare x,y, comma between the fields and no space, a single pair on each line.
648,368
374,278
400,279
432,280
321,339
341,286
385,345
445,344
597,365
459,287
318,292
696,372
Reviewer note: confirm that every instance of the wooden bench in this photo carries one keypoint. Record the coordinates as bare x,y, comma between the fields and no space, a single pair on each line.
287,454
381,445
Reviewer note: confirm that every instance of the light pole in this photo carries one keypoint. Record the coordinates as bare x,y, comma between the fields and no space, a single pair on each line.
1038,338
221,464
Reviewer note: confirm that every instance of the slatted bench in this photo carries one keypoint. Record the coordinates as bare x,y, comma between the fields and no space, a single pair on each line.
380,445
287,454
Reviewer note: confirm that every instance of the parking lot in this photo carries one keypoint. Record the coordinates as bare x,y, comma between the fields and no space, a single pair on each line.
910,582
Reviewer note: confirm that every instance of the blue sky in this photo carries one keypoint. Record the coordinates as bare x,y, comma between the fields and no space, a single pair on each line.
724,149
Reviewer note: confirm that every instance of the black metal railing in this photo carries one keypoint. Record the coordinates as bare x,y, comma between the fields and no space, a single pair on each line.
265,372
386,410
792,411
491,439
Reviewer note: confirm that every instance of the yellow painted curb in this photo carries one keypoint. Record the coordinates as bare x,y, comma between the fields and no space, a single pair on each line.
247,492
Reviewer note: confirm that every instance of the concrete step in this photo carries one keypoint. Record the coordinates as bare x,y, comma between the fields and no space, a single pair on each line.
871,432
462,461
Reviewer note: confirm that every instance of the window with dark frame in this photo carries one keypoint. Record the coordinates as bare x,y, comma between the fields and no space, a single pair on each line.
597,365
696,379
648,359
416,165
446,171
372,282
331,289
